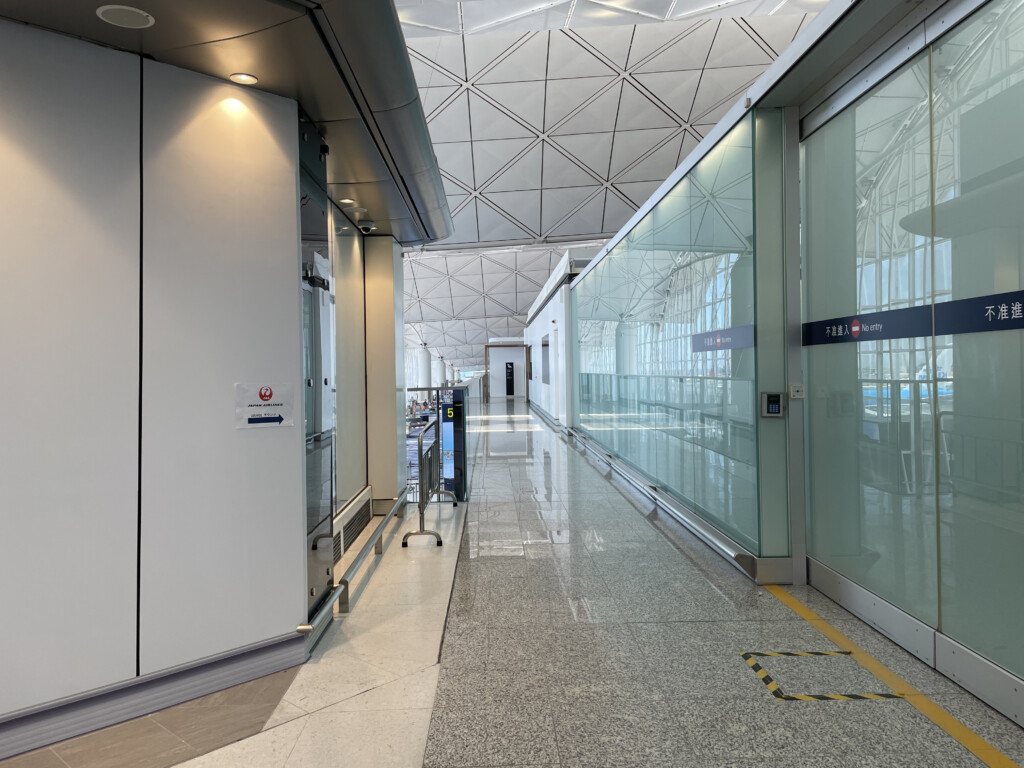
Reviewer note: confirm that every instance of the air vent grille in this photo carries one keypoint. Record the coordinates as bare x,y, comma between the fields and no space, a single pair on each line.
356,524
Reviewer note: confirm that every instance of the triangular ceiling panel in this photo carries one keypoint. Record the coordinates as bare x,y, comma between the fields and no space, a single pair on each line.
489,122
495,227
649,38
525,99
612,42
587,219
631,145
494,280
567,58
598,116
616,212
637,111
688,52
481,50
523,174
445,52
689,144
527,61
456,159
557,203
523,206
563,96
593,149
466,306
432,98
489,157
638,191
428,76
722,86
560,171
657,166
734,47
451,123
676,90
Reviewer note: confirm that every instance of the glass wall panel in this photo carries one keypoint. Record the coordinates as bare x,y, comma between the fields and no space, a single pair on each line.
978,92
914,230
665,343
870,423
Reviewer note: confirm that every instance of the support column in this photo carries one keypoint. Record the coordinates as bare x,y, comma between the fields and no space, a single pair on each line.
385,367
423,366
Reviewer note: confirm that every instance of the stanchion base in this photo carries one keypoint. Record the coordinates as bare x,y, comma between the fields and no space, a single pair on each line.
435,534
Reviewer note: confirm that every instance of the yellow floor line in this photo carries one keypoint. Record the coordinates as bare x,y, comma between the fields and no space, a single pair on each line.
981,749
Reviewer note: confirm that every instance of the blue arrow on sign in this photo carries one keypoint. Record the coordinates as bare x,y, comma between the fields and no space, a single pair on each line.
266,419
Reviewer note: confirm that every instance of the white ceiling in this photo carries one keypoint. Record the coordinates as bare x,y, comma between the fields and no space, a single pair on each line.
455,302
555,135
552,123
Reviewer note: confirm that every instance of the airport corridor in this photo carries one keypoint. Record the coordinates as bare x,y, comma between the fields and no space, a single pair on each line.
586,630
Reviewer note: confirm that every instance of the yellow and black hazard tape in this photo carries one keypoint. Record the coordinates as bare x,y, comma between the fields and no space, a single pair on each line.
761,672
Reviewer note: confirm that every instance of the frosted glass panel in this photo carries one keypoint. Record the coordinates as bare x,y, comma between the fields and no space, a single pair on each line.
870,416
979,108
665,343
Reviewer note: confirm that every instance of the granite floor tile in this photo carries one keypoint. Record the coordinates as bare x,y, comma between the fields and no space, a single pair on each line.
141,743
211,727
269,749
820,675
40,758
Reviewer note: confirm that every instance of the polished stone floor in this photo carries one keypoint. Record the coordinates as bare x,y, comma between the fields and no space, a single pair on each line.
575,628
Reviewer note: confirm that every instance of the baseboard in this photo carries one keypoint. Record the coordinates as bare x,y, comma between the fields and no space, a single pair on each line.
50,723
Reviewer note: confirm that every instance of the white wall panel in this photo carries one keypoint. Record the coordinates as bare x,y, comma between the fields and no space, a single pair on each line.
223,510
69,294
497,357
541,394
350,321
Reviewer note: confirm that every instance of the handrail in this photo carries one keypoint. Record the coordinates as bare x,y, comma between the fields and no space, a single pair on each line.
340,593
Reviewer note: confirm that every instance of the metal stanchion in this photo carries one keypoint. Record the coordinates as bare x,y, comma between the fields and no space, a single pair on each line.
429,477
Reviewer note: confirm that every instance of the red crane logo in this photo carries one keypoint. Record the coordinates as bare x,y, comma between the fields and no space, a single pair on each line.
266,393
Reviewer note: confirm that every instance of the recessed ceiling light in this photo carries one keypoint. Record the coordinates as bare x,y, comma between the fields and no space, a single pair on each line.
346,201
125,16
244,79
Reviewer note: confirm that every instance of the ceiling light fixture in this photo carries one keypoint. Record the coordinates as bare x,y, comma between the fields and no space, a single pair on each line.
346,201
243,78
125,16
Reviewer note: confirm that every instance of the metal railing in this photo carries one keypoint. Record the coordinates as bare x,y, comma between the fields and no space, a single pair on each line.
341,593
429,464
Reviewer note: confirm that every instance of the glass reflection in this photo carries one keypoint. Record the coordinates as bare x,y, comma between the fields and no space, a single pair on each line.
665,343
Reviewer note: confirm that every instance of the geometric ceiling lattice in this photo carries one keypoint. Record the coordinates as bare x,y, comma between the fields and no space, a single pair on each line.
551,128
456,301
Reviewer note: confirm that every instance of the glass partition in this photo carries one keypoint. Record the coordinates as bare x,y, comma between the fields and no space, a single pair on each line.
665,355
914,336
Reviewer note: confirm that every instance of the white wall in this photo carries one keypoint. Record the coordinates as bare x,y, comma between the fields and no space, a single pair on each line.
223,509
69,357
543,395
497,357
385,366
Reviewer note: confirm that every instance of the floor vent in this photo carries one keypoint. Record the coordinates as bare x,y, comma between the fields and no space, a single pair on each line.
356,524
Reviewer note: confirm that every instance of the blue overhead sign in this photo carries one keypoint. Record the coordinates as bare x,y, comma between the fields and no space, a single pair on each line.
980,314
871,326
740,337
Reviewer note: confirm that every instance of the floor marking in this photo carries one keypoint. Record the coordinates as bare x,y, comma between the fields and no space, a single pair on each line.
777,692
980,748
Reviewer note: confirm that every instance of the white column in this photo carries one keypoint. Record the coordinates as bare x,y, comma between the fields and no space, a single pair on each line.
437,372
423,367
